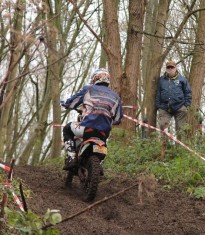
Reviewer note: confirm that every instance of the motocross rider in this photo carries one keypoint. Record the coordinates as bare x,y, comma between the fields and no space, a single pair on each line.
102,108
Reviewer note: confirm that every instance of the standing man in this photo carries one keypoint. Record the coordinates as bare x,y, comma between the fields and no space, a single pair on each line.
173,97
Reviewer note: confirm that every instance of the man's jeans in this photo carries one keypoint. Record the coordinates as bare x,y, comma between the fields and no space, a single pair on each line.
179,116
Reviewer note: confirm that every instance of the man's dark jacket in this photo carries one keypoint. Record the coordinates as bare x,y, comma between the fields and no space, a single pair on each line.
173,93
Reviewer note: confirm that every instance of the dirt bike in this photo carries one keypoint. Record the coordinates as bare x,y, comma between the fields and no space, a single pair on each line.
90,153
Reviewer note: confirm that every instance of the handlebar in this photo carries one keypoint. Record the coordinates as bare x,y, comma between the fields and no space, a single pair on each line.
79,109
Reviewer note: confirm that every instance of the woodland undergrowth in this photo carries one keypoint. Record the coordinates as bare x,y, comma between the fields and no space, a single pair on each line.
127,154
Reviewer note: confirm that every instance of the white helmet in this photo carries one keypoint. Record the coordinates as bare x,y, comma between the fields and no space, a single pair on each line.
100,76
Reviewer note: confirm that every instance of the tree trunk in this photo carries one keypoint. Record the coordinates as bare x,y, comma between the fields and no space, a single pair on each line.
150,26
103,55
197,71
113,44
41,131
133,57
33,146
54,76
155,62
11,74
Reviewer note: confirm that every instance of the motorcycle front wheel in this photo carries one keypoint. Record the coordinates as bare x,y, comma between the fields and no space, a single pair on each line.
69,180
92,177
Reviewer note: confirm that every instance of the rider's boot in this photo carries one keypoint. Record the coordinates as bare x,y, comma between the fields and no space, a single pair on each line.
70,160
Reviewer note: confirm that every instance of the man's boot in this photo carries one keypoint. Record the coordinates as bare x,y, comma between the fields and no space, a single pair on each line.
70,160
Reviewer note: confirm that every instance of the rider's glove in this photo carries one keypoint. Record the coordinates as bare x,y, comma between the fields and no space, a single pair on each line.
63,104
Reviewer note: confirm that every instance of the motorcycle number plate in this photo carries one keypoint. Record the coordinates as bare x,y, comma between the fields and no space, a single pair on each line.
99,149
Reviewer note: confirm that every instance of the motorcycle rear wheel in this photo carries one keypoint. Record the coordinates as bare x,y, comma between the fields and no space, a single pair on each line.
90,184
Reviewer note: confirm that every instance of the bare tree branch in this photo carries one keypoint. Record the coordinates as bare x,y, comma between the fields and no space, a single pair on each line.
86,24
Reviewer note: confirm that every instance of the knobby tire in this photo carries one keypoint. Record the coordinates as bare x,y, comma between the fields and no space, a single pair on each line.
90,186
69,180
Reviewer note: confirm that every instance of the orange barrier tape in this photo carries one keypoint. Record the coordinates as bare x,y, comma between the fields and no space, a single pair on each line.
7,168
16,199
57,125
167,133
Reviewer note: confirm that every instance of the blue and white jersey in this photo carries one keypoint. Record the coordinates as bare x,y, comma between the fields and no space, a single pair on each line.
102,107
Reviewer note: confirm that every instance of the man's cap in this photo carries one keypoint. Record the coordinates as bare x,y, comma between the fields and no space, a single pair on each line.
171,63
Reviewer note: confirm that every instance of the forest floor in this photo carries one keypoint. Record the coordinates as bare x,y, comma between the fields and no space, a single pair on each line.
160,212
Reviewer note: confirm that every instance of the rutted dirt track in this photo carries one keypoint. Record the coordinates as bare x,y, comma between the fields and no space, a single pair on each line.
164,213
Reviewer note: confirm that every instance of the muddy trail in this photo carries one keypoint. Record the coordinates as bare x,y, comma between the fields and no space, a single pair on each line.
159,213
